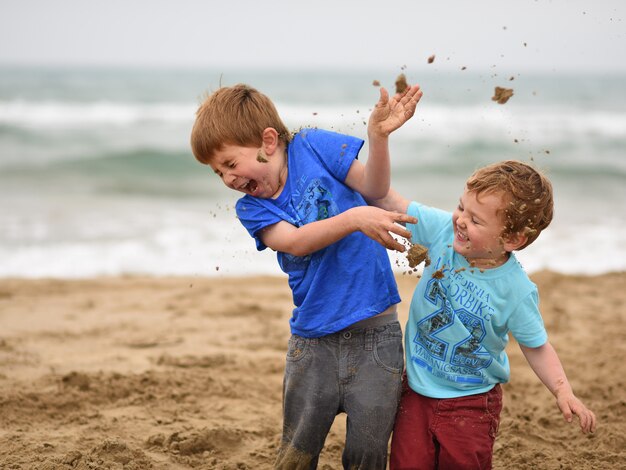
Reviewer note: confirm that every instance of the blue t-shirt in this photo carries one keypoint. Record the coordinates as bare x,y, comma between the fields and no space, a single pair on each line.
458,325
349,280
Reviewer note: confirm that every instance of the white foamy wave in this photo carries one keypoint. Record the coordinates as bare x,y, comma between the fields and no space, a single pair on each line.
589,249
82,260
454,123
188,245
168,248
63,114
544,124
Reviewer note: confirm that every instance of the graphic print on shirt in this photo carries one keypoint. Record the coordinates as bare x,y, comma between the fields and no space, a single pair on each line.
448,341
316,203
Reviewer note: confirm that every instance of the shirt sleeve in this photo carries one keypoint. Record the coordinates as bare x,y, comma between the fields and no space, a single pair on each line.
255,216
430,223
336,152
526,324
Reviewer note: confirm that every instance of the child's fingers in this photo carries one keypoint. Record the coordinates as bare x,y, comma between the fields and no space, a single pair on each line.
587,420
417,96
412,95
384,97
405,219
585,423
590,422
391,243
408,102
398,230
565,410
593,422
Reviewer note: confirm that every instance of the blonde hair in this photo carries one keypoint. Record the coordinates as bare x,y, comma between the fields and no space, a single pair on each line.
528,194
235,115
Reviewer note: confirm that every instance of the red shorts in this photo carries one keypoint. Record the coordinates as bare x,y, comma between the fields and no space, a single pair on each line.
448,433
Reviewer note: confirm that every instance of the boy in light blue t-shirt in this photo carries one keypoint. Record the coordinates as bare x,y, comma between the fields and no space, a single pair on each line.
471,295
304,199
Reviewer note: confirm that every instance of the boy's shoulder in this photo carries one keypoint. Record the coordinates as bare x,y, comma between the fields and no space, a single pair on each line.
431,222
333,150
512,277
426,210
315,134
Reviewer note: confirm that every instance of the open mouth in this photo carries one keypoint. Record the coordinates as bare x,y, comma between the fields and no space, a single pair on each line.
249,187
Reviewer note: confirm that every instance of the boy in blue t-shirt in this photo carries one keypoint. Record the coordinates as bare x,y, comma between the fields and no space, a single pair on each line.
471,295
304,199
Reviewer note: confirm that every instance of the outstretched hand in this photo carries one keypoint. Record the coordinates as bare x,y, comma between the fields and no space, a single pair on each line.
390,113
570,405
379,224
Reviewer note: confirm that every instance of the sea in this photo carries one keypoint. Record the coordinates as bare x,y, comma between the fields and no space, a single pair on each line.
97,177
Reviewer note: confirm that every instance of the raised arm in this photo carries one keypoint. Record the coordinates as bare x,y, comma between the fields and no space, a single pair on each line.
374,222
546,364
372,180
393,202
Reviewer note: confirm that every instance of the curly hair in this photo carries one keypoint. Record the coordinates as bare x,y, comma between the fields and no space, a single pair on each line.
528,194
235,115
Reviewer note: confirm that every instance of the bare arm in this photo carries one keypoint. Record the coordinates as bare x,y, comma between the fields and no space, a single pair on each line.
372,221
372,179
546,364
393,201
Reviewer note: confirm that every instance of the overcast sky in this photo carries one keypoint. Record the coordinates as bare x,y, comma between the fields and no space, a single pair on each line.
558,35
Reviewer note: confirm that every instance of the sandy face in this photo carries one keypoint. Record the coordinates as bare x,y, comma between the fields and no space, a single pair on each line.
261,157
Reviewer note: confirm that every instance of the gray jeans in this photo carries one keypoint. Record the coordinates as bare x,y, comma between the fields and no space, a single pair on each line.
356,371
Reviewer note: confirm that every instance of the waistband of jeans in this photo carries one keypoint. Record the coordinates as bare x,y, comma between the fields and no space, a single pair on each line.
383,318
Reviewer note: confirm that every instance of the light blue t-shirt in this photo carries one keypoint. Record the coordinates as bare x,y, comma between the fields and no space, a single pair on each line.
348,281
458,325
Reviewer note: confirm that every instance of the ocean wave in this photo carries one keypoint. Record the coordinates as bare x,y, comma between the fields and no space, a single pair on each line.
418,160
194,247
57,114
451,122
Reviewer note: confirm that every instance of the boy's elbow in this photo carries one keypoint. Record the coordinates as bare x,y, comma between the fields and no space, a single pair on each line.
300,252
377,192
295,249
378,195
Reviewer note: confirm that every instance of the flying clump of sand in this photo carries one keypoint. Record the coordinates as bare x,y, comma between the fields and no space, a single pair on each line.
416,254
186,373
501,95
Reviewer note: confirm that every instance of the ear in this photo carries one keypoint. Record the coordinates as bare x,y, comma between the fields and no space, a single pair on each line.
270,140
514,241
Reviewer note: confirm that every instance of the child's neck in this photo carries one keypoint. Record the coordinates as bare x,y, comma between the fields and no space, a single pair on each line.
489,263
282,175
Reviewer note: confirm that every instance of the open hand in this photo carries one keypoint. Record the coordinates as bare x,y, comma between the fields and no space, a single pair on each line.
390,113
379,224
570,405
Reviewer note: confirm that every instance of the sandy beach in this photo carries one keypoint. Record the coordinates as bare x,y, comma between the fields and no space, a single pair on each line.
180,373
